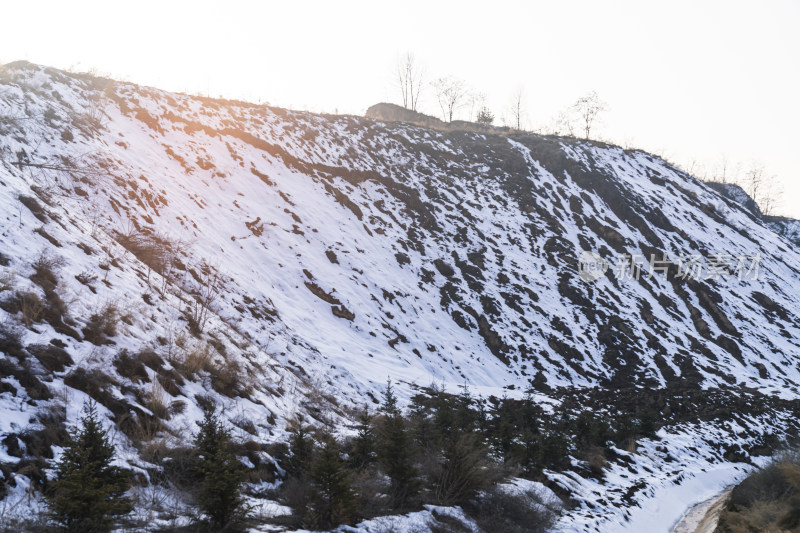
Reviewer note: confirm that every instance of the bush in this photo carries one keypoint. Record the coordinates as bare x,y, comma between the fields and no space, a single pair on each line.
195,360
102,325
766,484
11,339
130,366
53,358
45,270
465,470
767,500
503,511
31,306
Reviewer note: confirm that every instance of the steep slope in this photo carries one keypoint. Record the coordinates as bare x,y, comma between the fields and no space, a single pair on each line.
785,226
340,251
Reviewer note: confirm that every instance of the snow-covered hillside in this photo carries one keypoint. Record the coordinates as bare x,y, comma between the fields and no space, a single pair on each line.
310,257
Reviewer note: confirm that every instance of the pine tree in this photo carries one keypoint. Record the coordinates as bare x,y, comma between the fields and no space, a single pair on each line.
389,405
466,417
394,451
333,501
364,443
87,494
464,470
485,116
301,446
221,474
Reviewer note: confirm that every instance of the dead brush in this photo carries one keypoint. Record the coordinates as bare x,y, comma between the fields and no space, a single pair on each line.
31,307
195,359
7,280
102,325
157,400
147,434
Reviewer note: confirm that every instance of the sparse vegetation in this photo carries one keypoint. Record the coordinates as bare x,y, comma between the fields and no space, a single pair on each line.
101,326
767,500
439,452
31,307
159,252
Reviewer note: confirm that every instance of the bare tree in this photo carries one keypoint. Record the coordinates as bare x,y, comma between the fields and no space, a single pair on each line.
562,124
203,296
516,110
450,94
722,173
588,108
476,101
762,188
409,77
726,171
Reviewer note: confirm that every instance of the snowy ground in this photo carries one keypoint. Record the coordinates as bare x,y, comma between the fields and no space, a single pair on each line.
351,250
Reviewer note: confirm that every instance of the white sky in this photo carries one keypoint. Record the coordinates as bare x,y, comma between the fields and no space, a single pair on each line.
691,80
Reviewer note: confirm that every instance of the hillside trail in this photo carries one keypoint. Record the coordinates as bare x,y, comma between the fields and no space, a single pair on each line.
702,517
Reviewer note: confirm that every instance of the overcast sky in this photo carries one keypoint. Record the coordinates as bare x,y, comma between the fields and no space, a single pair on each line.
691,80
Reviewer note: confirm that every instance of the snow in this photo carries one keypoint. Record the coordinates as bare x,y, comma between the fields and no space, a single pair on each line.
403,328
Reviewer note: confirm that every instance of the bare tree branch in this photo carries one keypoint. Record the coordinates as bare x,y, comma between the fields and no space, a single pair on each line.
588,108
409,77
450,93
517,110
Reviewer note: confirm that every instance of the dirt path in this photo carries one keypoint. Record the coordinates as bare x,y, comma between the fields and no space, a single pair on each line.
702,517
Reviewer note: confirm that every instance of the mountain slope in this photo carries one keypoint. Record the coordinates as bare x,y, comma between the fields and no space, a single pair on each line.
343,250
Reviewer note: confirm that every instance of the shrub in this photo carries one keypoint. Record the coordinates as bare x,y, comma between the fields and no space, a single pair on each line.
34,207
53,358
31,306
505,511
11,339
102,325
131,367
464,471
45,271
195,360
157,401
